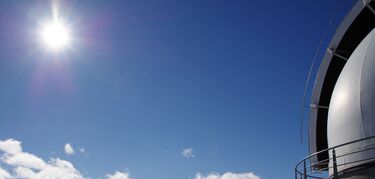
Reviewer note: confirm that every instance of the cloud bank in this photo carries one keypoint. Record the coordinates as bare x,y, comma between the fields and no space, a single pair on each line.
17,164
20,164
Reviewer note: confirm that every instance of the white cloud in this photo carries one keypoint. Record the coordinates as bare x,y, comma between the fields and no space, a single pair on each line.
69,150
23,159
118,175
25,165
228,175
188,153
58,168
14,156
10,146
22,172
4,174
22,165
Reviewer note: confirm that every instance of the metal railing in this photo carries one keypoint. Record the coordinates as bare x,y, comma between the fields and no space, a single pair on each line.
309,168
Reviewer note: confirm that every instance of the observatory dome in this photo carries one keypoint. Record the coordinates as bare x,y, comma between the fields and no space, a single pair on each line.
351,113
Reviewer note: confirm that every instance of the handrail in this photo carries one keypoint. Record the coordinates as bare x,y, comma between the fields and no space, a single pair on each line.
354,141
305,164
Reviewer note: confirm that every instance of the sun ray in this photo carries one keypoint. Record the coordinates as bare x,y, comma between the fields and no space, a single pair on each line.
55,33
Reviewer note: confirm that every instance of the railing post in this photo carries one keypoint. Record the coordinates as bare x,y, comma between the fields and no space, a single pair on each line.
334,161
304,170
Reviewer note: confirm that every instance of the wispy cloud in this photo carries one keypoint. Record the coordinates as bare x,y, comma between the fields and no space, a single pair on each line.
118,175
69,150
187,153
227,175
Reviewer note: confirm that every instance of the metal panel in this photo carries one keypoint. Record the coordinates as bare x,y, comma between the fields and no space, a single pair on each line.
351,113
321,77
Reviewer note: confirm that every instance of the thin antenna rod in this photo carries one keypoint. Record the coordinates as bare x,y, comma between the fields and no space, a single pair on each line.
308,80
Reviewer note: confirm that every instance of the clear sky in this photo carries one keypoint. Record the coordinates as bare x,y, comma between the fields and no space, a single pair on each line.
162,89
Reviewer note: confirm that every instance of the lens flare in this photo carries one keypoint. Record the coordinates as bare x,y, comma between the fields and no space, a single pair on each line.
56,35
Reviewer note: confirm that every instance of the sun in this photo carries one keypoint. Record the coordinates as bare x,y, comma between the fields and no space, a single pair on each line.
55,35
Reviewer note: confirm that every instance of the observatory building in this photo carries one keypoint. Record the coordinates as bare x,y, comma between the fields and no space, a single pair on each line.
342,110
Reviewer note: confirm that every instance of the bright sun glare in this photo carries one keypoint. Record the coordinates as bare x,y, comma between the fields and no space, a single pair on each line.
56,35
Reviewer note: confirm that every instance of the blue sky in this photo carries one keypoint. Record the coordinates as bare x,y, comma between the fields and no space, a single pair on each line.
144,80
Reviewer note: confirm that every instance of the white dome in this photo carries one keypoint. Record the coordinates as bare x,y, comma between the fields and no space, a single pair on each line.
351,113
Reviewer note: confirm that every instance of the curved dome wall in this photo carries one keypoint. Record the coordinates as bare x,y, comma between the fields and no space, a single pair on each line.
351,113
353,29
